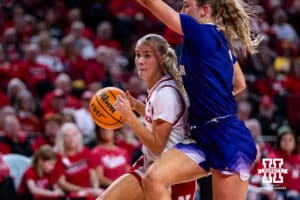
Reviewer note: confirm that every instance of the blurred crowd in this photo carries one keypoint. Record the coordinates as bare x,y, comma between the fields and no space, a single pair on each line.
55,54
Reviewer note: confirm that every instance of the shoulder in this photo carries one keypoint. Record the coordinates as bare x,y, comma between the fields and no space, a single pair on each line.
97,150
30,173
168,91
85,151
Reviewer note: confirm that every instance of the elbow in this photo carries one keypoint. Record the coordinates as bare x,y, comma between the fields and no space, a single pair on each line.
157,151
243,86
239,89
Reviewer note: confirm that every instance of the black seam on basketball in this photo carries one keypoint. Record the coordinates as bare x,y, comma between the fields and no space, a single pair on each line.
106,110
108,90
100,122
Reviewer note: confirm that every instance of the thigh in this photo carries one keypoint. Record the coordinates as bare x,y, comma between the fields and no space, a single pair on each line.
174,167
228,187
125,186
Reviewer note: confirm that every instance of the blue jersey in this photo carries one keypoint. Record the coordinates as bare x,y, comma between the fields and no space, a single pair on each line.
208,68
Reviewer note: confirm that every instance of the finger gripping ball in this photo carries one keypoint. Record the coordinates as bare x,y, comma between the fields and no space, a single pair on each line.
102,108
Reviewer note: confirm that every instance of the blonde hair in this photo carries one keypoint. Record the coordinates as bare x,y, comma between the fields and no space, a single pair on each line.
234,16
44,153
59,140
170,65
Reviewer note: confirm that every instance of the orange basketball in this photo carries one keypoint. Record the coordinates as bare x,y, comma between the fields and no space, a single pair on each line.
102,108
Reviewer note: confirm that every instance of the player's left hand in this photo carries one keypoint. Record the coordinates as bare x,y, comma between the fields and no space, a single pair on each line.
122,105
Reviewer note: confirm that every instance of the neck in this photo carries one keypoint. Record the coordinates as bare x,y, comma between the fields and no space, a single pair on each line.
154,80
206,20
109,145
71,151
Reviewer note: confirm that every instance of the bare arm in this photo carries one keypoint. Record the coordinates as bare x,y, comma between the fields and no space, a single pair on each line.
41,192
93,179
164,13
239,83
155,140
103,180
65,185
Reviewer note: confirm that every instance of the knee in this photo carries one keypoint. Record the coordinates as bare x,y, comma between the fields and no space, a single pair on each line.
151,179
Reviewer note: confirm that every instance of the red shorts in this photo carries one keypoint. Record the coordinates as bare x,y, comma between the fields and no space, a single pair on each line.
180,191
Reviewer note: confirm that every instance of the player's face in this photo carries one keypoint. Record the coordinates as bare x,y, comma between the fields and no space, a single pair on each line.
146,61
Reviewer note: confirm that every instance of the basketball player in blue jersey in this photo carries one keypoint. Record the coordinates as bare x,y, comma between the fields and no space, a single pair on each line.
211,76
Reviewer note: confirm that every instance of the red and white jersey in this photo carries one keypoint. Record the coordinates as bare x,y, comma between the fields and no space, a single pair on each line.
165,102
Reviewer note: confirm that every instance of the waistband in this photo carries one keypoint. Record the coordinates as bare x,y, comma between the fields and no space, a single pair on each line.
215,120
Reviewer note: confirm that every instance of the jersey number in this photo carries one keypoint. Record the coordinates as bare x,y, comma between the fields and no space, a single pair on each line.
186,197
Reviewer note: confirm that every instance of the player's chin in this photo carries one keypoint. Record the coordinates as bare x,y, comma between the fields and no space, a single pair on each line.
142,75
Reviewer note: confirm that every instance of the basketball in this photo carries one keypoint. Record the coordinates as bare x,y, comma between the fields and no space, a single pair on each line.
102,108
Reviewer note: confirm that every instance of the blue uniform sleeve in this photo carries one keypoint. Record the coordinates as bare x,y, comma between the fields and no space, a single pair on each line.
198,34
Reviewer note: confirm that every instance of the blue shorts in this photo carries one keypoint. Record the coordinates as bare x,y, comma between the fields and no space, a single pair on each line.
223,144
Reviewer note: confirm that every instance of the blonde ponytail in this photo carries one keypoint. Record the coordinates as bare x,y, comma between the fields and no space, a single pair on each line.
172,69
233,17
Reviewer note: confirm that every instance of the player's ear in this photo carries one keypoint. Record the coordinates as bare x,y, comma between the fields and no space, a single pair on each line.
162,59
203,10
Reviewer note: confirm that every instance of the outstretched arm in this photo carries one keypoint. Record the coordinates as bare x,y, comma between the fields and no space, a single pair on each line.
164,13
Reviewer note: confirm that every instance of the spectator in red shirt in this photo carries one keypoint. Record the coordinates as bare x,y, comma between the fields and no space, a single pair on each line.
287,149
7,70
5,111
257,189
73,169
14,140
57,103
25,107
63,85
46,55
82,45
124,10
51,125
14,86
268,115
74,15
37,76
37,182
269,84
109,160
11,46
104,36
73,62
95,70
292,81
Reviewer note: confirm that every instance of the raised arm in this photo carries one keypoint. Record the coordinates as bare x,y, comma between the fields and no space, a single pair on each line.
164,13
